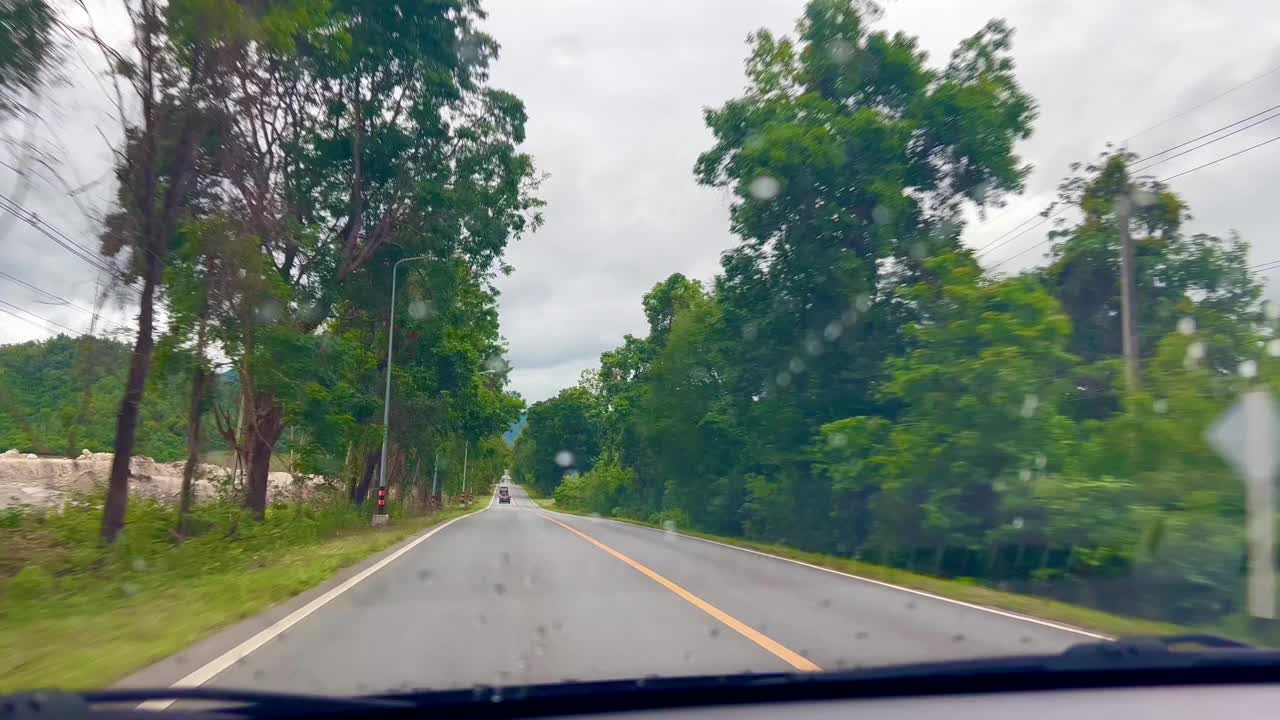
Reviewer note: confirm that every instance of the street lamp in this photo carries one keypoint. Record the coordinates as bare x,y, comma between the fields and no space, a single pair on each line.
381,516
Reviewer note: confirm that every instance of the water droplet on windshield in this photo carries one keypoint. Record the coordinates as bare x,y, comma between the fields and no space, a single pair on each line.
1248,369
500,589
564,458
418,309
796,365
139,564
496,364
764,188
862,302
1270,310
783,379
813,346
1041,461
860,635
669,525
832,331
714,632
840,50
1195,351
1024,475
1143,198
749,331
1160,406
269,311
1016,524
1187,326
882,215
1273,347
837,440
1030,402
565,50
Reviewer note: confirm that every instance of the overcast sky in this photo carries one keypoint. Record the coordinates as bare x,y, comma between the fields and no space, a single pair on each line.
615,89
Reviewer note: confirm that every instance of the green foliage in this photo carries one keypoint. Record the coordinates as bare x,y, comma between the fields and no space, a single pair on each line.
563,435
855,383
599,491
28,49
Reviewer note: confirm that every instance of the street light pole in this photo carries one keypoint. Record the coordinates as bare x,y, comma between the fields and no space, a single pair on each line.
466,446
381,516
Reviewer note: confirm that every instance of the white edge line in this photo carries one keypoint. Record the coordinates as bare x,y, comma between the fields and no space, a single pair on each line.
913,591
211,669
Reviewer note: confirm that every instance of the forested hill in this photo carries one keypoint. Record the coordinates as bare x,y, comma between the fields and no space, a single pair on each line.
59,396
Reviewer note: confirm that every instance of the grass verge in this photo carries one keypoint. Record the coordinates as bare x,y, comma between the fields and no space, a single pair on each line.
965,591
80,616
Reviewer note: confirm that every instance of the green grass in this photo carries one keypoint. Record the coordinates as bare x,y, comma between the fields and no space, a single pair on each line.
75,615
1043,608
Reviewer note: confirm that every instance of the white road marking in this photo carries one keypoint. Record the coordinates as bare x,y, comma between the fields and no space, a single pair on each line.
913,591
211,669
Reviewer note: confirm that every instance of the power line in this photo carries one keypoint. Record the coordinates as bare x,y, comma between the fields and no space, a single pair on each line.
27,321
62,300
984,248
1193,108
1163,180
1205,144
1043,219
997,243
77,333
1224,157
1211,132
58,237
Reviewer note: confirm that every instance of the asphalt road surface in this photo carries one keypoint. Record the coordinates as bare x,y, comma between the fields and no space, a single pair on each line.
517,594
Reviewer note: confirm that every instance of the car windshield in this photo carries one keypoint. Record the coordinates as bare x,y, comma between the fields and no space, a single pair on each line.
354,346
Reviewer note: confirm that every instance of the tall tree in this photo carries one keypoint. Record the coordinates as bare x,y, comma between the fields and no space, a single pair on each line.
171,68
371,135
27,49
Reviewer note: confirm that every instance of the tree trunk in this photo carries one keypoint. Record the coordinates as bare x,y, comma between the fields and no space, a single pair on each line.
366,478
199,388
266,422
127,419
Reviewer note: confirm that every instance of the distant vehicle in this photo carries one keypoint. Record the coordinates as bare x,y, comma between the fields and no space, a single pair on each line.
504,494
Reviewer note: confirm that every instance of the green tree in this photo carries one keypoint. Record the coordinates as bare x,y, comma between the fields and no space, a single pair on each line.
563,437
27,49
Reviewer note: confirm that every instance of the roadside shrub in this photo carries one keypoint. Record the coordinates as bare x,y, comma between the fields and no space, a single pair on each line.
598,491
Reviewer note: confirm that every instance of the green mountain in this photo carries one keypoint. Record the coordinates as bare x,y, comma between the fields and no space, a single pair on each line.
511,435
61,395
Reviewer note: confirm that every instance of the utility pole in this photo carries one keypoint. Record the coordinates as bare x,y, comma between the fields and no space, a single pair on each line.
1128,303
465,447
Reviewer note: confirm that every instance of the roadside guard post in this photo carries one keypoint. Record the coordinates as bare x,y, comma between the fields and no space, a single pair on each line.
381,518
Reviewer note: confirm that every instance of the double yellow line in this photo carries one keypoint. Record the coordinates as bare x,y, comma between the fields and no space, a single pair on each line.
791,657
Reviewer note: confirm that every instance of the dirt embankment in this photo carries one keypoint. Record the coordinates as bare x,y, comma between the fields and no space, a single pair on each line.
46,482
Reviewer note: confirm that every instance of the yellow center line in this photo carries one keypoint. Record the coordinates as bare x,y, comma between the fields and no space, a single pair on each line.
795,659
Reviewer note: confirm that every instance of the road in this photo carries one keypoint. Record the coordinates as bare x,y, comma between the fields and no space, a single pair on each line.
517,594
